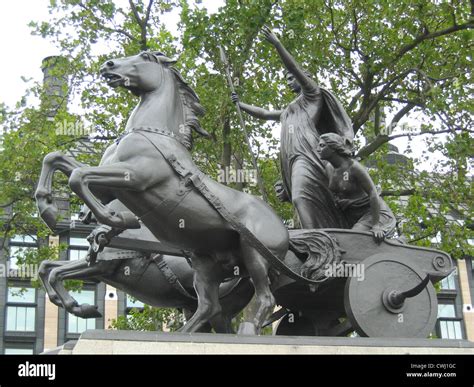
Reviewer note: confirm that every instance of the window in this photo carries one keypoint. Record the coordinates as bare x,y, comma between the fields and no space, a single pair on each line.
21,318
78,247
23,239
450,329
20,245
134,303
449,283
446,310
76,255
78,324
21,295
21,310
78,241
18,351
449,326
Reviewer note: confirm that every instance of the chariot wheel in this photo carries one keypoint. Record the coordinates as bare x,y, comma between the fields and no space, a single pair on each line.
393,299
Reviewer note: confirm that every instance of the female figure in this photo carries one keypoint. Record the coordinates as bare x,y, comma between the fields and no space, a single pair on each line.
354,190
313,112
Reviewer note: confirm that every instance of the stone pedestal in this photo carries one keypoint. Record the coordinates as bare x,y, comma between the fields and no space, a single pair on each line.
128,342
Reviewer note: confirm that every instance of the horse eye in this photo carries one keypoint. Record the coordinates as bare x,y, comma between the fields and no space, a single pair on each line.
145,56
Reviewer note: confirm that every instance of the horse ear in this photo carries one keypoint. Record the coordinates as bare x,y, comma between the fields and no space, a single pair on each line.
170,61
162,58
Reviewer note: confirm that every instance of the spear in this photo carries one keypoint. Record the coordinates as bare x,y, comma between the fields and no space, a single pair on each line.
242,124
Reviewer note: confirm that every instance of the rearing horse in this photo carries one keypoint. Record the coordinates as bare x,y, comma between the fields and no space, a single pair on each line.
148,170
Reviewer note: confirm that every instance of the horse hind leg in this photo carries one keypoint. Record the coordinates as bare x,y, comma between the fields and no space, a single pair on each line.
257,267
207,278
43,274
75,270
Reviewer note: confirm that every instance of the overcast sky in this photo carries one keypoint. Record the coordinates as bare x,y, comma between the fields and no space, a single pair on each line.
22,53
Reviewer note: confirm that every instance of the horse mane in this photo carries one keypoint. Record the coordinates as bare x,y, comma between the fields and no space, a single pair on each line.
192,108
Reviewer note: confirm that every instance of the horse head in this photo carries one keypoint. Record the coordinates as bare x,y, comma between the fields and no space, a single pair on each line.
138,73
150,72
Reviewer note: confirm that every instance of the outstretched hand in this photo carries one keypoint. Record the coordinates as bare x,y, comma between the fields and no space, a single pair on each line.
280,191
378,233
269,35
235,98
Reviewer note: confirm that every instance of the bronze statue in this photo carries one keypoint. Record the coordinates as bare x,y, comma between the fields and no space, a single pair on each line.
228,233
313,112
355,192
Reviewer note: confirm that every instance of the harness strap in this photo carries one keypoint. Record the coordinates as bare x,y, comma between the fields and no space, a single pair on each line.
170,276
195,177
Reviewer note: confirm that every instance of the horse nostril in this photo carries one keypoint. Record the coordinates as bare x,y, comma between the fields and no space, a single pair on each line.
110,63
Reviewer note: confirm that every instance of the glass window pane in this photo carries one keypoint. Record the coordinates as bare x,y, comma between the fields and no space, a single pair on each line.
15,294
23,239
450,325
449,282
18,351
18,252
79,325
78,241
75,255
134,303
457,330
13,263
30,319
84,297
21,318
11,318
446,310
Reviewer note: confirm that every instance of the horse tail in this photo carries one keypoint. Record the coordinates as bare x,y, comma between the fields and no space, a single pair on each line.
320,250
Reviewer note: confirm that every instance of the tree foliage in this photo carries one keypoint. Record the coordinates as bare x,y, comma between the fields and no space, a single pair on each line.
403,60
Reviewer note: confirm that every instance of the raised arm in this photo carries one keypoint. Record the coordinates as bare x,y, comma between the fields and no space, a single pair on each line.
306,83
264,114
368,186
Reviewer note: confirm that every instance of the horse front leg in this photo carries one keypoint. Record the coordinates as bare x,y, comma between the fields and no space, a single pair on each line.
75,270
118,176
207,278
51,163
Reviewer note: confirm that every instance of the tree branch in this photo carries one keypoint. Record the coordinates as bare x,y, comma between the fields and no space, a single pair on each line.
405,192
400,114
142,23
103,26
354,100
428,36
384,138
404,101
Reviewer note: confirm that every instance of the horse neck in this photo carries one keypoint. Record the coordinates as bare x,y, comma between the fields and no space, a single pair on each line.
161,108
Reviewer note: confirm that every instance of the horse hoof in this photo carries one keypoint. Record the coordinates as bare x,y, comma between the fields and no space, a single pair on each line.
90,311
49,213
247,328
129,219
